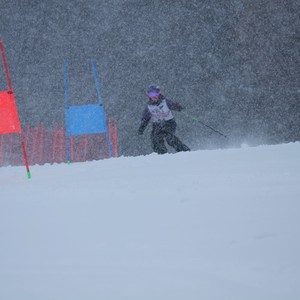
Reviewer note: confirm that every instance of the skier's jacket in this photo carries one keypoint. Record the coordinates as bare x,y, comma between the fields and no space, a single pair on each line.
158,111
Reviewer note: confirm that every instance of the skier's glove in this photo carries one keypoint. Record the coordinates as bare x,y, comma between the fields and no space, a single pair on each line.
141,130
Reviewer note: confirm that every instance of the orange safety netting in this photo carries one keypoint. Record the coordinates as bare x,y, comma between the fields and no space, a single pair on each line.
9,119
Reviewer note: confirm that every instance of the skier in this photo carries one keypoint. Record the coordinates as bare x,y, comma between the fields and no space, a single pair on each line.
159,109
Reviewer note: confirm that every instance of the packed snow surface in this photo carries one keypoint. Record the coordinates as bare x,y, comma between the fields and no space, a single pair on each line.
218,224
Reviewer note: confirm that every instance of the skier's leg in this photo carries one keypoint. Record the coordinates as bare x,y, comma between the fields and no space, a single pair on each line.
172,139
176,143
157,138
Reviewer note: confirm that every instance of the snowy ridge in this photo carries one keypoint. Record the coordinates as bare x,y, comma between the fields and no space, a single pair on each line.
220,224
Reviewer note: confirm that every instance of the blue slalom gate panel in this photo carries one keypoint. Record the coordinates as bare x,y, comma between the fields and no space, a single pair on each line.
85,119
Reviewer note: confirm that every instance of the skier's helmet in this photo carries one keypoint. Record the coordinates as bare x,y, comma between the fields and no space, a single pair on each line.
153,90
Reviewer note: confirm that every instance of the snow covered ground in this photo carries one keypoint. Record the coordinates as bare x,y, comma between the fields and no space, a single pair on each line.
219,224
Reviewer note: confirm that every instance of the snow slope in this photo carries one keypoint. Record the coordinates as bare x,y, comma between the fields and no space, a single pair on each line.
221,224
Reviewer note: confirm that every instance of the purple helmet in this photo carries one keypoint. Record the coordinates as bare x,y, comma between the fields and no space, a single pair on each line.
153,90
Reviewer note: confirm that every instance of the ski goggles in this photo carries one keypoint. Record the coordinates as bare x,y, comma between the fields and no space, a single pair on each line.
153,94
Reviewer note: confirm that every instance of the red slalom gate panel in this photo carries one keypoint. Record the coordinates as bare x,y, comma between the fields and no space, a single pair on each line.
9,120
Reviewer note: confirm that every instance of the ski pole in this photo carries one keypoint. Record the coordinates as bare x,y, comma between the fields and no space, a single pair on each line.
197,120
